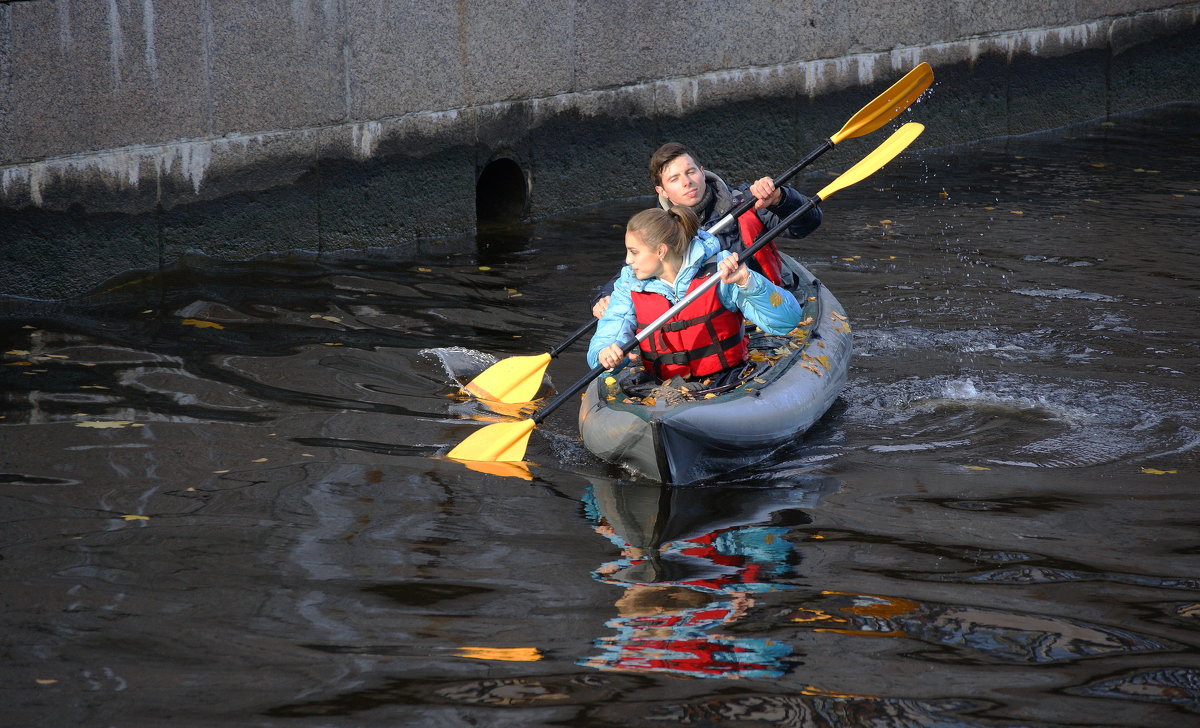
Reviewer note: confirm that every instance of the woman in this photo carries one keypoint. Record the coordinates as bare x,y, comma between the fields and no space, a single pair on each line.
666,255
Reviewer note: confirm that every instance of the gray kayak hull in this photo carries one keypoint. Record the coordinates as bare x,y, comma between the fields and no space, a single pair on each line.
699,440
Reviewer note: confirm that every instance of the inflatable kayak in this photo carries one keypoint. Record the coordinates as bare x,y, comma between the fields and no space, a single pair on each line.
680,435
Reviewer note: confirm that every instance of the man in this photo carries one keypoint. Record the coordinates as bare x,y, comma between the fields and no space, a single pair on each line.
680,180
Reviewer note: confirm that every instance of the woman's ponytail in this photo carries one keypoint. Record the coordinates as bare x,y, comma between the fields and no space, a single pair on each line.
674,228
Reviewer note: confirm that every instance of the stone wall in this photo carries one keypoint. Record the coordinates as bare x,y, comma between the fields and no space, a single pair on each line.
133,131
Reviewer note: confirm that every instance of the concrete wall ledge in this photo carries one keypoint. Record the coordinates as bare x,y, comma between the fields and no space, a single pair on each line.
412,176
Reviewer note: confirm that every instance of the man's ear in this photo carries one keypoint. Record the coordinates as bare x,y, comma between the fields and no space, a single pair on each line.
661,192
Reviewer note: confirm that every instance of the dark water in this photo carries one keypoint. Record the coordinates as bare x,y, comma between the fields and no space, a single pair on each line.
997,525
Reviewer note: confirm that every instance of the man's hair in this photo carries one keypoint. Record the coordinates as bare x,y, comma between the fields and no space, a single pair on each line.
663,156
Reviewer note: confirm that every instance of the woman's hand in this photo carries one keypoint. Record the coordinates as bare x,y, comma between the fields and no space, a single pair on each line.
732,272
766,192
610,356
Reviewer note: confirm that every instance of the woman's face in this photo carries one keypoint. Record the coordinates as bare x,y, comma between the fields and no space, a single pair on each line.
646,263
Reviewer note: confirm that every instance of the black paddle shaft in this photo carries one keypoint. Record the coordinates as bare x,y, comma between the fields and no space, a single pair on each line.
745,255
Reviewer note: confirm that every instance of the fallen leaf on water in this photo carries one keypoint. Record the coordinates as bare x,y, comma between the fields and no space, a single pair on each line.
424,270
104,424
92,386
885,222
484,267
943,193
503,654
976,467
334,343
45,681
200,324
259,460
1099,165
1017,212
17,352
1156,471
135,517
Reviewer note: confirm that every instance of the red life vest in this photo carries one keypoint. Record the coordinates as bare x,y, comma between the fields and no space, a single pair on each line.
767,258
702,339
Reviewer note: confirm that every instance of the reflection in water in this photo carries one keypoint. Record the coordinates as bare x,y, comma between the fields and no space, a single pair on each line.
1177,686
692,562
812,709
974,634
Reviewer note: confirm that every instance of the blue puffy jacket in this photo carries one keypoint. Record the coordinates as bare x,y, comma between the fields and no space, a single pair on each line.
775,310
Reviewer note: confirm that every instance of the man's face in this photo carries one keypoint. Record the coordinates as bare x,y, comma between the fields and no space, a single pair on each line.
682,181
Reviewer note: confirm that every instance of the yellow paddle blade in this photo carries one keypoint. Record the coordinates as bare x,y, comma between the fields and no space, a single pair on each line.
503,441
511,380
887,105
503,469
871,163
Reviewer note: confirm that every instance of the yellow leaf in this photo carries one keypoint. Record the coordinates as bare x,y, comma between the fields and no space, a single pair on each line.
104,424
503,654
776,299
45,681
1016,212
885,222
1099,165
1156,471
135,517
976,467
710,395
333,343
201,324
425,270
17,352
259,460
484,267
943,193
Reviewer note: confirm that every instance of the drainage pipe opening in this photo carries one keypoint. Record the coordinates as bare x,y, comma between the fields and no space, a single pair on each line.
501,194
